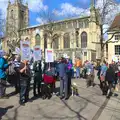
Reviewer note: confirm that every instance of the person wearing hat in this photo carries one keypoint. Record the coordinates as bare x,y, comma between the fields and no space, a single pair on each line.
3,67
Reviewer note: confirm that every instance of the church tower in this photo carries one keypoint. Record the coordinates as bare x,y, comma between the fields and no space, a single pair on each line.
17,17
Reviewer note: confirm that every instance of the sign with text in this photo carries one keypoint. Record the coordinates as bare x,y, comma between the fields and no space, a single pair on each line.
37,53
25,50
49,55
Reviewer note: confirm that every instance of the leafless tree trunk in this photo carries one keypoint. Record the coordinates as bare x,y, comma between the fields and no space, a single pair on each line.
105,15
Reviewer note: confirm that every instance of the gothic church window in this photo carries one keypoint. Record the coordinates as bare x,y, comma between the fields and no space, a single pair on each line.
55,42
86,23
37,39
66,40
83,40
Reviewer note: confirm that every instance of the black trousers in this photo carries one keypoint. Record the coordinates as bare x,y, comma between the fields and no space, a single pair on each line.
24,90
15,81
36,85
69,85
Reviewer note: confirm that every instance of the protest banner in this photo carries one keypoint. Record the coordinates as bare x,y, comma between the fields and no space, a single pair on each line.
49,55
37,53
25,50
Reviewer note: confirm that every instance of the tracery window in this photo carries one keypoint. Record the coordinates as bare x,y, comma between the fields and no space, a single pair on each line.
55,42
83,40
66,40
37,39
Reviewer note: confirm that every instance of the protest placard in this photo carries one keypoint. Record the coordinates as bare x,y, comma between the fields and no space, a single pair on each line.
37,53
49,55
25,50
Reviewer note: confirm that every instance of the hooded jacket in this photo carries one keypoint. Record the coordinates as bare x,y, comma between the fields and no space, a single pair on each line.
3,67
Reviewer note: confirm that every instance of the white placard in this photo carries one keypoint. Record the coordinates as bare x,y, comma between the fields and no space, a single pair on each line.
115,58
25,50
37,53
17,50
49,57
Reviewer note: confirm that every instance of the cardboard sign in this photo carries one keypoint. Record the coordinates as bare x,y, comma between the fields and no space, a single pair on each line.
49,55
37,53
25,50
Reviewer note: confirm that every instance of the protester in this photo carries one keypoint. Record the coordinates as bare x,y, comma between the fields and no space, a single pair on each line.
3,66
102,77
17,65
90,74
69,73
13,74
78,65
63,79
37,77
24,81
110,78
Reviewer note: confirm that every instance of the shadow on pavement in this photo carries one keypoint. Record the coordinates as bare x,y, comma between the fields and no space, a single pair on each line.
76,116
3,111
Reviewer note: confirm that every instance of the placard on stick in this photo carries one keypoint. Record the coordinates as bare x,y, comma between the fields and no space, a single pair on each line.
37,53
25,50
49,55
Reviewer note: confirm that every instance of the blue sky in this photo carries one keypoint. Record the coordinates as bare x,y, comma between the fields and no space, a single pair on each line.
57,5
61,8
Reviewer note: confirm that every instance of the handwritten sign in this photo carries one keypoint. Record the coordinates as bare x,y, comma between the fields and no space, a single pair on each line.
25,50
37,53
49,55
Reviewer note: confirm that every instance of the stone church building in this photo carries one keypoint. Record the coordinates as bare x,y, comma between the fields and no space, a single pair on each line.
76,37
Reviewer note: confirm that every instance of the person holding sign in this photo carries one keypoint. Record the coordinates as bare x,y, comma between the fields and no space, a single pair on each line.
37,77
24,81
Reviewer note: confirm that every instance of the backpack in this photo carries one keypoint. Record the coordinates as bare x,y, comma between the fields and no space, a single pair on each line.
11,69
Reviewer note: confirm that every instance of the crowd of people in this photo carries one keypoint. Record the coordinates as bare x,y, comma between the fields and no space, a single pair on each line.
19,73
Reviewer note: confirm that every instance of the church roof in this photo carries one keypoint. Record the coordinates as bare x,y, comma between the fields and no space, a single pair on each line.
115,24
60,21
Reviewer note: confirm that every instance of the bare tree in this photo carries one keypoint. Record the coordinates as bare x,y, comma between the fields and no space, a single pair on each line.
48,20
105,13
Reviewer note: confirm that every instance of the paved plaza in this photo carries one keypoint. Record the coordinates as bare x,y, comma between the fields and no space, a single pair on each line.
89,105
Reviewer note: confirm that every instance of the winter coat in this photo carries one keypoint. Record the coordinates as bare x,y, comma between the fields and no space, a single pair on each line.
62,69
110,75
3,66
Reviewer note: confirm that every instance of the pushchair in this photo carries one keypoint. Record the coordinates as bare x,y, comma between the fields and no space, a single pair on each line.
48,84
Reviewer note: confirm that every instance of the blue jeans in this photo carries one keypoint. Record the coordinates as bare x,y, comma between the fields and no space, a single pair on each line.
78,72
